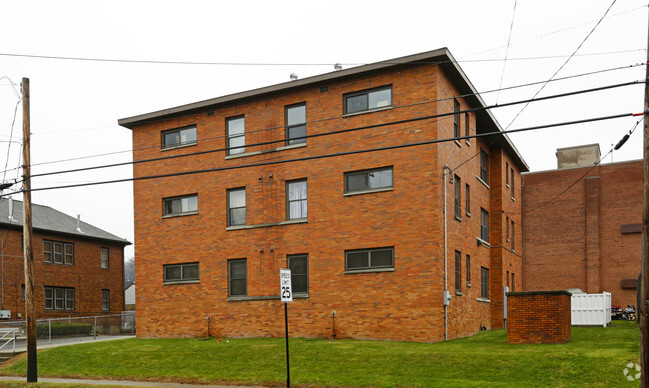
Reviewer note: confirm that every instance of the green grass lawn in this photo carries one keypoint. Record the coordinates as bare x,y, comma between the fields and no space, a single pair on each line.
596,356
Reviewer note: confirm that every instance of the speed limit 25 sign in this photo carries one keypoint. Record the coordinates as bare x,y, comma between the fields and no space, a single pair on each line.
286,292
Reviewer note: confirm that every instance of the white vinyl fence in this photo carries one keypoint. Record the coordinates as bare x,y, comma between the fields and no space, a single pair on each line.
591,309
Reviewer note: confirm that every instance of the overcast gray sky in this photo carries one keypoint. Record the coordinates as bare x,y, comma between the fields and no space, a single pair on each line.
75,104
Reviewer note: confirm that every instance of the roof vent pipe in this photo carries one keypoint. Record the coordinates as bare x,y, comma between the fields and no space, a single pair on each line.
293,77
11,209
79,223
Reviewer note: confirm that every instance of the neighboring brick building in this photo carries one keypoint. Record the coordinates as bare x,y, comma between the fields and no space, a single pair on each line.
78,268
590,236
355,210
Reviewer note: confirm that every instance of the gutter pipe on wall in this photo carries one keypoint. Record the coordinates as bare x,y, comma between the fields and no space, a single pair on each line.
446,294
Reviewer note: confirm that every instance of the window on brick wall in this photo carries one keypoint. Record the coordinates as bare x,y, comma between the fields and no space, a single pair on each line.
456,118
58,252
511,173
512,232
296,124
237,277
507,174
59,298
513,283
236,127
105,300
458,271
236,207
467,129
178,273
484,283
105,258
368,180
299,266
507,278
468,270
484,225
484,166
467,200
507,228
369,259
458,197
368,100
179,137
179,206
296,206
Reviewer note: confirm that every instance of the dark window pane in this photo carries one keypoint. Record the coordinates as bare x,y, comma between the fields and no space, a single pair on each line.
299,283
171,139
237,269
356,182
238,287
356,103
297,131
357,260
173,273
190,272
298,265
382,258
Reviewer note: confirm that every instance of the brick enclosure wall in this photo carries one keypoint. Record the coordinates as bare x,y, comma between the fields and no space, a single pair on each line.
85,276
403,304
577,240
538,317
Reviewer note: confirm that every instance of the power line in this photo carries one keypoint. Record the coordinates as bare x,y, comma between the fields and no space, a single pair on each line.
617,146
559,31
565,63
338,117
405,121
251,64
325,156
511,28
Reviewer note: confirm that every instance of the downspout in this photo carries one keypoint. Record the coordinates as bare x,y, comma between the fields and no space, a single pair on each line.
445,297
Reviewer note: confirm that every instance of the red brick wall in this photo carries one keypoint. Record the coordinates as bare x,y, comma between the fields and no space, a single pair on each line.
538,317
85,276
575,241
404,304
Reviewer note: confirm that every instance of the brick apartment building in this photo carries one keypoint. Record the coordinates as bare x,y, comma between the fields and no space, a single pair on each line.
78,268
590,236
341,178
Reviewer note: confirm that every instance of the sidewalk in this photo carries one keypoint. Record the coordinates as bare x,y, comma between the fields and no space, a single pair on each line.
44,343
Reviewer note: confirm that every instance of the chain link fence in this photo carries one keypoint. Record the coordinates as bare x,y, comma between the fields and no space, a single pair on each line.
97,325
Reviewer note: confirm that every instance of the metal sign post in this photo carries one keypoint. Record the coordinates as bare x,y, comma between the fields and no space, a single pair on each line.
286,294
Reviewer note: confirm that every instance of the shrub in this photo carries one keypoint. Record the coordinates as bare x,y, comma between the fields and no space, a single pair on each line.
64,329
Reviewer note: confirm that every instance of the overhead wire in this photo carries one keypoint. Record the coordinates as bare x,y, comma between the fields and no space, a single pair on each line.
562,192
346,130
642,7
337,154
340,116
509,38
565,63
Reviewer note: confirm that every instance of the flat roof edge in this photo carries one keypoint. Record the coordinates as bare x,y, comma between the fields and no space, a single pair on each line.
129,122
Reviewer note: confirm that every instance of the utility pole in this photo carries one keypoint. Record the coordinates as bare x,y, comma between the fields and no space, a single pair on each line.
644,278
32,374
